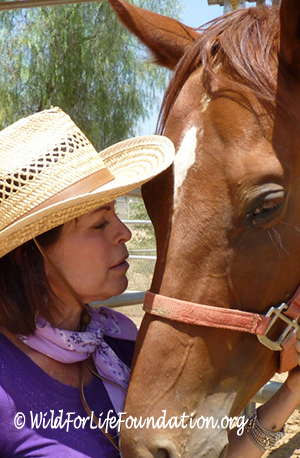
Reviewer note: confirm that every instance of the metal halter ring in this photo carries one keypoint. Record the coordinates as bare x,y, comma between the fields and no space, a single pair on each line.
292,326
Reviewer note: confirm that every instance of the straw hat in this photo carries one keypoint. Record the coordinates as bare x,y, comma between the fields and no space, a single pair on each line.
50,173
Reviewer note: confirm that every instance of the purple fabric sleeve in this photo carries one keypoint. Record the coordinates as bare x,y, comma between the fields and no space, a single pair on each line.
27,392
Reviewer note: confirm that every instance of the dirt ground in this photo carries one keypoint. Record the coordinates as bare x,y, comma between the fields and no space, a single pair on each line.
289,446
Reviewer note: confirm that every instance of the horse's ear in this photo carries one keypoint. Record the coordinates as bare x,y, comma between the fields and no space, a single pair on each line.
290,35
167,38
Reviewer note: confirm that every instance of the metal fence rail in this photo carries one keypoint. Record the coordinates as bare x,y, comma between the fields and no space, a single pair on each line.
136,221
145,258
127,298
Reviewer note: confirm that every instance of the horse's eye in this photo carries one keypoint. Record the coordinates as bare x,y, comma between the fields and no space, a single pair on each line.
266,208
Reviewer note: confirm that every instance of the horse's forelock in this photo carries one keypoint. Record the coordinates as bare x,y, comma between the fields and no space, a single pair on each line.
238,52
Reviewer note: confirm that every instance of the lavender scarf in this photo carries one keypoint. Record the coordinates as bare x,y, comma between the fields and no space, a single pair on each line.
70,347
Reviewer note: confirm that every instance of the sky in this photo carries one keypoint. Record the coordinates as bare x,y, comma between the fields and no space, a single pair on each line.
198,12
195,13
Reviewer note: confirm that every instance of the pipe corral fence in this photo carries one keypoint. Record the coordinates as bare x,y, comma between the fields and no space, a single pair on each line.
139,255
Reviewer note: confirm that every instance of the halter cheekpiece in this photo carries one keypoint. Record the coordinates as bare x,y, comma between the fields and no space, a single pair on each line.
235,320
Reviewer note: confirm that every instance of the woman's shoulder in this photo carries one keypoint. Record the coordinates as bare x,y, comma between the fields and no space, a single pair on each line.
9,353
20,373
37,411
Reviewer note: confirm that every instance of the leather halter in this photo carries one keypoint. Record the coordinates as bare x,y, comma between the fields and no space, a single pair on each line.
235,320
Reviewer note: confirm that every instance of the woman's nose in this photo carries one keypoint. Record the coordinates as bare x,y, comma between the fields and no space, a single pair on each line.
124,233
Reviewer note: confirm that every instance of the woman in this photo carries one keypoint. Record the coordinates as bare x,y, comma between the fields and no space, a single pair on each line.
61,247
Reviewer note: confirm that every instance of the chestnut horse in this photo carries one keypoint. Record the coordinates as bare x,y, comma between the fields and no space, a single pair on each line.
226,218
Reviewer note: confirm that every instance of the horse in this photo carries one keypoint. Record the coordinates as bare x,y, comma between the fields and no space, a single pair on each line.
227,223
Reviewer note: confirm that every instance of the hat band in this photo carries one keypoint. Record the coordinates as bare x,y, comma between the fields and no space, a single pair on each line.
83,186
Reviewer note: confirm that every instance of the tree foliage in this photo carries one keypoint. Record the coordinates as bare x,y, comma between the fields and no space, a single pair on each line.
78,57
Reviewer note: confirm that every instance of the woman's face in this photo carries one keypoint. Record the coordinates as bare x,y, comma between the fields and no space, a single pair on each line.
91,255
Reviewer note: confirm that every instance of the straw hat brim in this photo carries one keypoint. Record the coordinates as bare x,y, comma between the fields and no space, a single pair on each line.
132,162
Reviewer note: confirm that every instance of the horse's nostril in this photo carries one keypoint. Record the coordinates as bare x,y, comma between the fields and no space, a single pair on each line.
162,453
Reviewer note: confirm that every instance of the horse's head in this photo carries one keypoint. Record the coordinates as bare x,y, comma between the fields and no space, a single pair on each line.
226,217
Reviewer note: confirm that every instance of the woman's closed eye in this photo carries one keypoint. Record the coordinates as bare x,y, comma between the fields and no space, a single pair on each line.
102,225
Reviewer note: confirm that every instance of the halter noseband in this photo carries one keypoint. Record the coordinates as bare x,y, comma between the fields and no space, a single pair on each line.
235,320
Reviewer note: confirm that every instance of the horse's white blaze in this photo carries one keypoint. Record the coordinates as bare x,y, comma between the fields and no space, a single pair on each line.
184,159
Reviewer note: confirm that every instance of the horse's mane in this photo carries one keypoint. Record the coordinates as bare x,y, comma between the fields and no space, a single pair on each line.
238,53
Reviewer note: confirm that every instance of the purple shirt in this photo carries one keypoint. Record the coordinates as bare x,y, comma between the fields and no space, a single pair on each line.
27,392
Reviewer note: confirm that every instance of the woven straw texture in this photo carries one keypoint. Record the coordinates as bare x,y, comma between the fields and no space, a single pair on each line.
45,154
40,156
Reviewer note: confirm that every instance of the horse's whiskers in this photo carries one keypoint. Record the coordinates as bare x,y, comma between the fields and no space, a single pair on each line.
295,226
277,240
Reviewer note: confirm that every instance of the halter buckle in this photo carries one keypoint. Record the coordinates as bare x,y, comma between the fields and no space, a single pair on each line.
292,326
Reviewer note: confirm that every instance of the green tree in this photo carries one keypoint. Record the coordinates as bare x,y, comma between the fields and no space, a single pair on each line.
79,57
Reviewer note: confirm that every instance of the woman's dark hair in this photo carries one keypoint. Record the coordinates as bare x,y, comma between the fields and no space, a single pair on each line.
24,288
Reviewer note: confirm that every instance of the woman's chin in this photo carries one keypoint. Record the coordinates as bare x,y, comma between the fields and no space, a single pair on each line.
114,291
122,286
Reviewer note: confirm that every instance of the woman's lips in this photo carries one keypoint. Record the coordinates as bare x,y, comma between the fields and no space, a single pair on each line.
121,265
